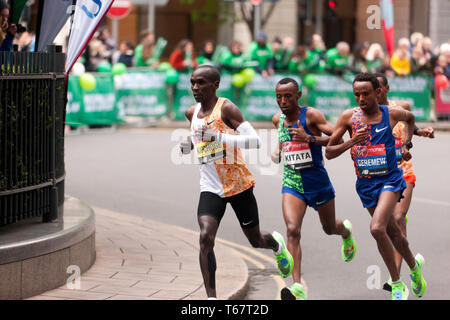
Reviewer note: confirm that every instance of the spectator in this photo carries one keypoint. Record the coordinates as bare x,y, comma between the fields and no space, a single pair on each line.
26,41
386,68
143,54
260,51
182,58
419,63
95,53
416,39
404,44
442,66
358,62
233,59
427,49
400,62
206,53
125,54
375,57
7,32
277,51
338,58
299,60
282,51
105,37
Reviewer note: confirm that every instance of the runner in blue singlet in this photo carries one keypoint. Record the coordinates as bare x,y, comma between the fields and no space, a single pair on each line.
305,180
380,183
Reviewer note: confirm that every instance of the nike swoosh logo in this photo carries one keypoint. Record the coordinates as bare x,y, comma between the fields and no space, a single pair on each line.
387,187
246,223
379,130
321,202
208,123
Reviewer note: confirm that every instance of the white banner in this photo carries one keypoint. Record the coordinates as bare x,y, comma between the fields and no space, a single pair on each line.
54,15
88,15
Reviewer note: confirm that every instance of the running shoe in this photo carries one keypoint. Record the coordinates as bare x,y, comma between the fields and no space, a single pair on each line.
399,291
348,249
293,292
418,284
285,262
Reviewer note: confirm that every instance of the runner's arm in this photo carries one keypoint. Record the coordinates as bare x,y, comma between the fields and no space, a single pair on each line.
186,146
336,146
247,138
400,114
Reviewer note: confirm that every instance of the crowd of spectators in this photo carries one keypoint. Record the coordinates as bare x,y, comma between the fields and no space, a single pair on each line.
411,56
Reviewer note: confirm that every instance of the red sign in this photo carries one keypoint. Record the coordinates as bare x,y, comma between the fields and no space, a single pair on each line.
119,9
443,100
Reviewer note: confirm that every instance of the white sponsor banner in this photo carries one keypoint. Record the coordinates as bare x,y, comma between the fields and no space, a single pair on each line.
88,15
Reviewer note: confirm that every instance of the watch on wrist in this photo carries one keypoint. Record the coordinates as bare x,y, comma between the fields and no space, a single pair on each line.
408,144
312,139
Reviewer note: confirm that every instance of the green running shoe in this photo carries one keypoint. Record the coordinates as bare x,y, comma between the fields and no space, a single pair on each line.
348,249
399,291
418,284
285,262
293,292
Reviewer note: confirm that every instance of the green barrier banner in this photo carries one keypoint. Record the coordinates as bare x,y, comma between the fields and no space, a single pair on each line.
183,98
142,93
100,103
258,100
74,106
416,90
332,95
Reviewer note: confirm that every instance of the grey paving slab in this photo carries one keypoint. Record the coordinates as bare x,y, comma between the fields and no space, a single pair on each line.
138,258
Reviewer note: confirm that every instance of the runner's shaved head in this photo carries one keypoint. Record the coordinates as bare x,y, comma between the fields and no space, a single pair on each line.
211,72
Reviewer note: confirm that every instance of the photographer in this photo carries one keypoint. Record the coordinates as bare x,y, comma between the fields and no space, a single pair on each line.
7,31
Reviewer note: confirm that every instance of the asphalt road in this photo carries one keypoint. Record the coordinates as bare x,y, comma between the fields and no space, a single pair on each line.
140,172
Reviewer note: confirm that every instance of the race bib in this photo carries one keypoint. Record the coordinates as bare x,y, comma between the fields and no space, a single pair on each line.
209,151
297,155
398,150
372,160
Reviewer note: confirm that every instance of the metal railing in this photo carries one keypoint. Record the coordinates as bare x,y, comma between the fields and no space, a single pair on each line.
32,113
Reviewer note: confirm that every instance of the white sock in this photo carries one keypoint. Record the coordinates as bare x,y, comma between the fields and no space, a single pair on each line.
280,247
212,298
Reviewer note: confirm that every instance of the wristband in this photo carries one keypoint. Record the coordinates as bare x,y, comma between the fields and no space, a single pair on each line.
416,129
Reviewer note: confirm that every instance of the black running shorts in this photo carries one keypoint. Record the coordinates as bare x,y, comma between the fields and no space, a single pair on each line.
243,204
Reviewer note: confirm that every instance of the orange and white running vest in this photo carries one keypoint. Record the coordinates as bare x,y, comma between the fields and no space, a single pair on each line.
400,135
222,168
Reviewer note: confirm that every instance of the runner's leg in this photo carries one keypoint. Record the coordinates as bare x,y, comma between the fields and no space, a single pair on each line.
330,224
294,210
401,209
382,216
208,230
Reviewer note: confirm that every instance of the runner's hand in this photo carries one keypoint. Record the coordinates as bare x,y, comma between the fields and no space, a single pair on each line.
186,146
299,134
205,134
360,135
426,132
276,156
406,155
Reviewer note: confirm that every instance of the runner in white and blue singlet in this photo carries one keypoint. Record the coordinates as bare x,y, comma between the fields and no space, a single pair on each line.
380,182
